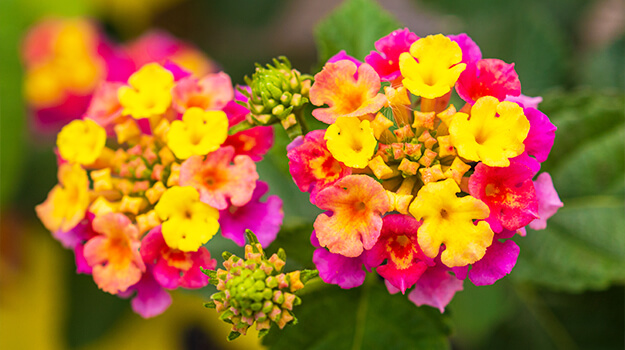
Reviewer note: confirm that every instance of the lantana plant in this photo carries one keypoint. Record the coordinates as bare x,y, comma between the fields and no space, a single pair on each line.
149,175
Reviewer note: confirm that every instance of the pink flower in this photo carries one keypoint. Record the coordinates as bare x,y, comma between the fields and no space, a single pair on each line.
212,92
386,60
342,55
489,77
498,261
151,298
263,218
311,164
346,95
508,192
539,140
114,253
470,51
435,288
525,101
398,245
254,142
338,269
220,178
173,268
356,204
548,201
105,108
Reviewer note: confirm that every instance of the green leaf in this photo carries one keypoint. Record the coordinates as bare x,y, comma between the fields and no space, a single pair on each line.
362,318
583,246
354,27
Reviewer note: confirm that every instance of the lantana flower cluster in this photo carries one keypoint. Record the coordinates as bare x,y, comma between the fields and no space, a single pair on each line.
425,193
149,175
66,61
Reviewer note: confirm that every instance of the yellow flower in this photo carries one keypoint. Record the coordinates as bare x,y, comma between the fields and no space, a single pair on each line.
187,222
81,141
494,132
351,141
448,219
67,202
149,92
432,67
199,133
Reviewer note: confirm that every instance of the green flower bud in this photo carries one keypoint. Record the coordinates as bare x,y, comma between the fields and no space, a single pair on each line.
278,94
255,290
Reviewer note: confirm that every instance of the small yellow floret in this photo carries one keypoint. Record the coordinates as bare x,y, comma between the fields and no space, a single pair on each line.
187,222
493,133
448,219
432,67
351,141
149,93
81,141
199,133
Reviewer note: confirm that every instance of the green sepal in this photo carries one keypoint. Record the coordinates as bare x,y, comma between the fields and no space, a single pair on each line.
233,335
212,275
307,275
282,254
226,255
226,315
210,305
263,332
251,237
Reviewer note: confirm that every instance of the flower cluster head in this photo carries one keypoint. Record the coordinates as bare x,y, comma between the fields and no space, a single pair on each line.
66,62
425,193
256,290
151,177
277,93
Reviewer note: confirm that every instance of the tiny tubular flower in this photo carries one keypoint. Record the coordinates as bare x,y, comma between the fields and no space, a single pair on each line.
149,92
346,95
187,222
81,141
493,133
357,203
432,67
68,201
114,253
199,133
448,219
351,141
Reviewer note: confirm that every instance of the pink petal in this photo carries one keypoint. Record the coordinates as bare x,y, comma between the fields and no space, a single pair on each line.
435,288
541,136
498,261
151,299
548,201
337,269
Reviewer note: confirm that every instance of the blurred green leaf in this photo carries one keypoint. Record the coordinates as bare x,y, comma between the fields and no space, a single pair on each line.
362,318
604,68
354,27
583,246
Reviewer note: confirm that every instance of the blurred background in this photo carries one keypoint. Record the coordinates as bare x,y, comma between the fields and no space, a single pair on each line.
567,291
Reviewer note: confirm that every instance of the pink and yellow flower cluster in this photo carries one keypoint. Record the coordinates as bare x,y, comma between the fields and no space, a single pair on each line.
149,175
67,60
425,193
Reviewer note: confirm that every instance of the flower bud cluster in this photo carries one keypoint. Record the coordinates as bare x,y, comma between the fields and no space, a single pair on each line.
278,94
256,290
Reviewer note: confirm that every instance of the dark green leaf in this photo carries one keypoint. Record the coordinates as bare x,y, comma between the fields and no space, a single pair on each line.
583,246
362,318
353,27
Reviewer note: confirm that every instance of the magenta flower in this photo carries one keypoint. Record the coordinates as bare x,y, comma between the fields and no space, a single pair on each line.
263,218
548,201
435,288
539,140
338,269
220,177
173,268
398,245
508,192
386,60
151,299
488,77
311,164
342,55
254,142
498,261
471,53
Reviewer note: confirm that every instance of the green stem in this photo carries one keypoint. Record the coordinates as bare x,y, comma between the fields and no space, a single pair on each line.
299,115
361,312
